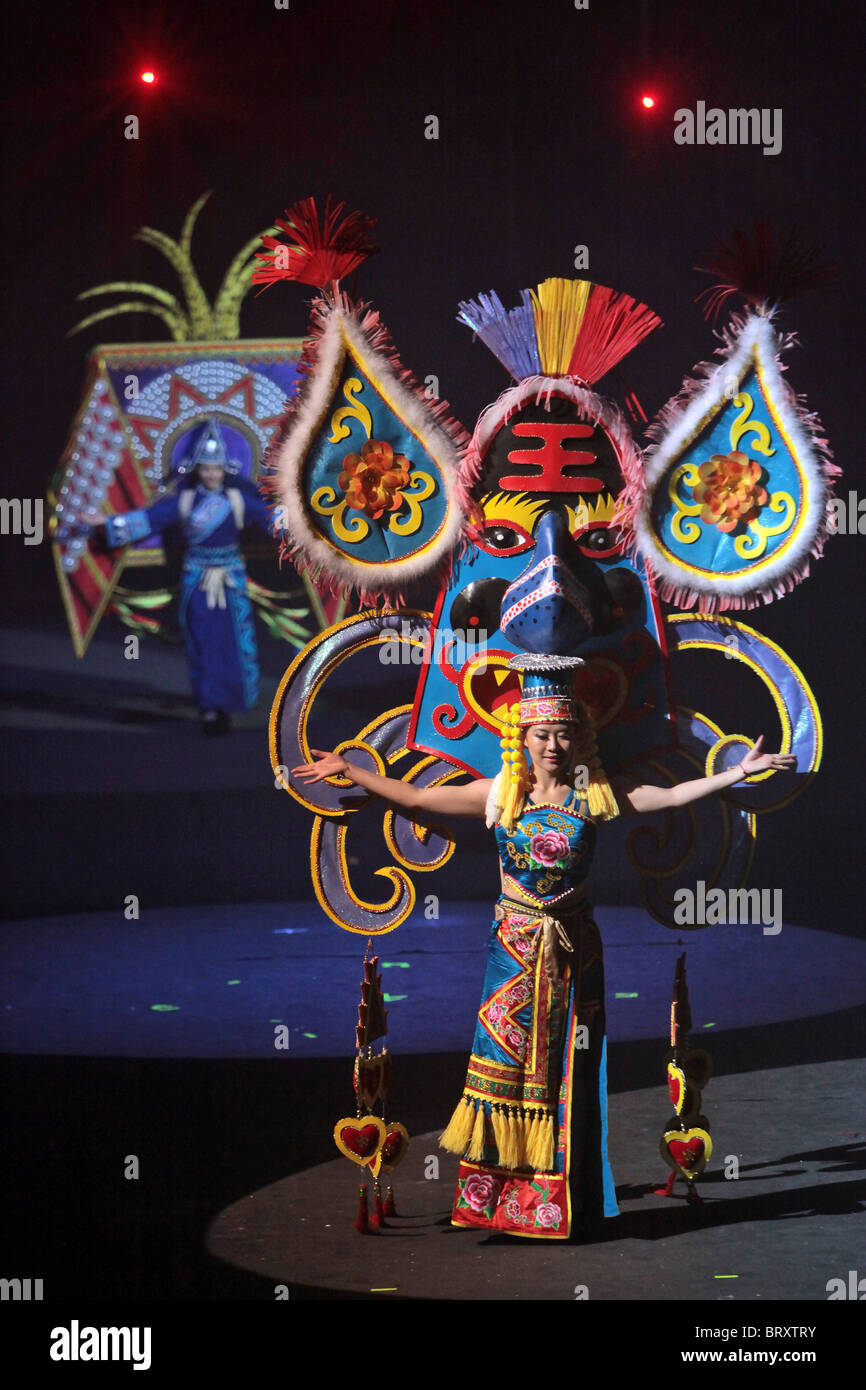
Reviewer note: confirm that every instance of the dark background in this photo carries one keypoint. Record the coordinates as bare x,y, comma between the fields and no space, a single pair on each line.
543,145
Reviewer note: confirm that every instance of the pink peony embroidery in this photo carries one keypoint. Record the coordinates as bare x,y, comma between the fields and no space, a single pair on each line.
480,1190
550,847
548,1215
512,1209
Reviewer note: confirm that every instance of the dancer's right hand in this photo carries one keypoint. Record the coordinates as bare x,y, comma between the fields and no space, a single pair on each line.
328,765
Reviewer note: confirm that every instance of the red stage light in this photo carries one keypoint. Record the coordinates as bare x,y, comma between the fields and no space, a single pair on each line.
148,76
648,102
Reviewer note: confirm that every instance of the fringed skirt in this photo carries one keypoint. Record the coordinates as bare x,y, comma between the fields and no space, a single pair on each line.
531,1126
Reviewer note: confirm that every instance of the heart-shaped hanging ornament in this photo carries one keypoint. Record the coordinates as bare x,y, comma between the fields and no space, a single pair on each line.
393,1150
360,1139
686,1150
370,1079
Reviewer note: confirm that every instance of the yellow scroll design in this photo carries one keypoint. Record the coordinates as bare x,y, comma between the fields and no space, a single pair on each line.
324,501
355,410
686,532
422,487
750,547
741,426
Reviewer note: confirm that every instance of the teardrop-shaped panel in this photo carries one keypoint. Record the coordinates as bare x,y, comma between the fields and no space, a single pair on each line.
365,475
737,484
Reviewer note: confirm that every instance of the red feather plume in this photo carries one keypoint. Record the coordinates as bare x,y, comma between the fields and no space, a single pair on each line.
317,252
763,266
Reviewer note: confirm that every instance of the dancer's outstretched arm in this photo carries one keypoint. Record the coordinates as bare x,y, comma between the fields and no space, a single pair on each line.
644,799
468,800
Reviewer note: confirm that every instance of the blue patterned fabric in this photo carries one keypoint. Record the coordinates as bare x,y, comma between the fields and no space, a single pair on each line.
131,526
677,520
527,1051
221,651
549,852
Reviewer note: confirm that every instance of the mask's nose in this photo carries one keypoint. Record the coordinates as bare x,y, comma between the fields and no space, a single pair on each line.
555,604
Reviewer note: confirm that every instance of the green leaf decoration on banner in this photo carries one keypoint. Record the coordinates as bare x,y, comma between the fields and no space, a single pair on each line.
195,320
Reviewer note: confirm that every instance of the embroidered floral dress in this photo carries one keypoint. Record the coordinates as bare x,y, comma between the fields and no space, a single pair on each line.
215,610
531,1127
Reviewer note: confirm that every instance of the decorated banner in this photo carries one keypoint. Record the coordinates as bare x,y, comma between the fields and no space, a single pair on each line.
142,408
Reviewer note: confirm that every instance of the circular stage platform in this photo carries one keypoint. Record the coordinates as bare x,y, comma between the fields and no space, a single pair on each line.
215,981
793,1219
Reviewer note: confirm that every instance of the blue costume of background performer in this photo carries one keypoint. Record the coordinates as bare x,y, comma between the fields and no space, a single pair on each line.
215,611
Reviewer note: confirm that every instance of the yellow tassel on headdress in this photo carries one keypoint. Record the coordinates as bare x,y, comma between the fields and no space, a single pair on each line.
600,798
515,773
559,306
458,1132
598,792
515,778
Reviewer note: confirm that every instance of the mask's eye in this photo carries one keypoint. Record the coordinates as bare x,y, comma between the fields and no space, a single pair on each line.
601,542
498,539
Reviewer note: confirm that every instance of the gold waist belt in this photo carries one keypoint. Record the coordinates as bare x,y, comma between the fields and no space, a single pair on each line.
551,932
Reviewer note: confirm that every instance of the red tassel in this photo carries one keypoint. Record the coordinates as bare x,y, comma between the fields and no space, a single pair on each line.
390,1209
668,1187
318,253
377,1216
361,1222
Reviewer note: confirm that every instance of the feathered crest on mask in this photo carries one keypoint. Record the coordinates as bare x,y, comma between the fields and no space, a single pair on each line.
562,328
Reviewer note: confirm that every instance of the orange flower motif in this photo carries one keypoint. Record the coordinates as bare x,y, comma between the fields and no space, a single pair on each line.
729,490
372,479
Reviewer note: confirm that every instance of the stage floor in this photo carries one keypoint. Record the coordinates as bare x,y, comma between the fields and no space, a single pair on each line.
791,1221
154,1037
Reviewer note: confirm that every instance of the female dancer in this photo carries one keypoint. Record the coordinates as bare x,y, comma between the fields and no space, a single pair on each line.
531,1126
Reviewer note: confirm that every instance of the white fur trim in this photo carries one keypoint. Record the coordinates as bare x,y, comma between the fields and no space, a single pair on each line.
493,807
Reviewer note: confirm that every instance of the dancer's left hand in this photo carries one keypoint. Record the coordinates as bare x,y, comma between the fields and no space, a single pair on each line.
757,761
